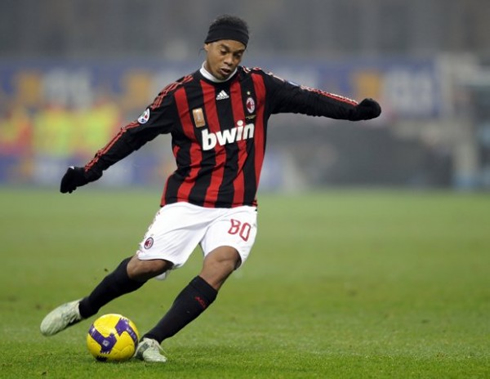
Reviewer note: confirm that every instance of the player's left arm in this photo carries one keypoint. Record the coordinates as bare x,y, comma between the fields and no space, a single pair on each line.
287,97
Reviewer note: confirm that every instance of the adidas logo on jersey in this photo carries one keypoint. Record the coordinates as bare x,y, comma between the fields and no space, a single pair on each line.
222,95
238,133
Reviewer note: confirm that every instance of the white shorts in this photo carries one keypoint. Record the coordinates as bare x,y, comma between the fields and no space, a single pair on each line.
178,228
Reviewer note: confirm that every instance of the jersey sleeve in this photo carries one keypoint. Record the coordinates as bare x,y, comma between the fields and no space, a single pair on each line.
287,97
157,119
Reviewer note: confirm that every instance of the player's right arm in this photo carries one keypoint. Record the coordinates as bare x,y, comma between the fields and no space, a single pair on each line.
157,119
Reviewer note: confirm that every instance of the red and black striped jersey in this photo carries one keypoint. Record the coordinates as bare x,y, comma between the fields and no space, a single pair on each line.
219,132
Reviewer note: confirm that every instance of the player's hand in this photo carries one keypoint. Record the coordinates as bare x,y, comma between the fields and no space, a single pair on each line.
75,177
367,109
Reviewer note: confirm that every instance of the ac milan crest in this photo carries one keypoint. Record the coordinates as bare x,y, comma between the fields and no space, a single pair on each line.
148,243
250,105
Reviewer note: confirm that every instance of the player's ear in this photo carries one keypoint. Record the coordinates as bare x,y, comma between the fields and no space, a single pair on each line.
206,47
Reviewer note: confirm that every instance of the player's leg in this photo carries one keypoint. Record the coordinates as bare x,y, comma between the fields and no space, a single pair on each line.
219,265
226,245
198,295
193,300
130,275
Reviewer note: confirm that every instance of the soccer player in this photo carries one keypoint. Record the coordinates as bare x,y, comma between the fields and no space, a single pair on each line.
217,117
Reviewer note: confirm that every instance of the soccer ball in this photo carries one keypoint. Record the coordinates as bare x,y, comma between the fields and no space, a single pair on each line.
112,338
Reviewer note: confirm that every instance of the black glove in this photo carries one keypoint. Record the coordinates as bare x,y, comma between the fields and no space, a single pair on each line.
366,110
76,177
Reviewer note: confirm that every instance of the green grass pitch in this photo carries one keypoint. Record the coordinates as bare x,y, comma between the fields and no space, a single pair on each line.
340,284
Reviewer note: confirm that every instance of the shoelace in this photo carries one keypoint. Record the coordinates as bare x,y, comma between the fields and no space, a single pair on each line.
71,317
153,343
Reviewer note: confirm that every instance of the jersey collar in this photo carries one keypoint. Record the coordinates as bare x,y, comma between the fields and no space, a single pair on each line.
212,78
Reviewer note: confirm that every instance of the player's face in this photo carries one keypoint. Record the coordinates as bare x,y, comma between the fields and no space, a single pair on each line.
223,57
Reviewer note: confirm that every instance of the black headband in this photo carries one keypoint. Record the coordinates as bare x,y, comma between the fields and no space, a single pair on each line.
233,32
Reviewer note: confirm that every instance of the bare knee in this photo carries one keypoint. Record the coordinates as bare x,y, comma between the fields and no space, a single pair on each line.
218,265
142,270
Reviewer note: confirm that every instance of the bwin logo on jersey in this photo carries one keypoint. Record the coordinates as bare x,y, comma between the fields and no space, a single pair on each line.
238,133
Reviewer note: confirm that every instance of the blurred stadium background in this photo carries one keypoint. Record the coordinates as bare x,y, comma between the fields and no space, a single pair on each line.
73,71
